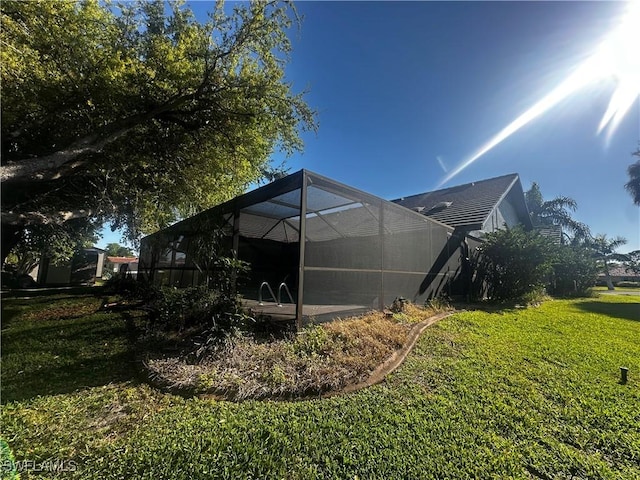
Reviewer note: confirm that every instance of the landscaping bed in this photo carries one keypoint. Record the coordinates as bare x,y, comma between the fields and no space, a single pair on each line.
319,359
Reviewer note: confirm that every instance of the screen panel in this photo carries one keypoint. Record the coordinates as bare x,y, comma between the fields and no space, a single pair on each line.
350,253
342,287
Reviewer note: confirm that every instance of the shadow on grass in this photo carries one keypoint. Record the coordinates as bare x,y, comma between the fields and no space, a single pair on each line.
8,315
626,311
65,355
67,378
59,307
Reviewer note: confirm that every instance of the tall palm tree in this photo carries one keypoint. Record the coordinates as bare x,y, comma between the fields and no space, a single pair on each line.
633,262
604,250
554,212
633,185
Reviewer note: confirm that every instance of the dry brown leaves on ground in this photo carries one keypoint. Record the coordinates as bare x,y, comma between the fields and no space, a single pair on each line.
319,359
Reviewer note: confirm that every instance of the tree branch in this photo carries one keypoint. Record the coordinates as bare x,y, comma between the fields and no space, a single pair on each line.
39,218
48,167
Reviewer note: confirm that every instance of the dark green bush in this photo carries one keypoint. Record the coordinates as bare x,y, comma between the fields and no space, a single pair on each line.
176,309
131,288
513,264
517,265
574,271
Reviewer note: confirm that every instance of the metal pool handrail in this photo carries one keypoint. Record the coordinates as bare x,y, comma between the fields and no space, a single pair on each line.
286,289
273,297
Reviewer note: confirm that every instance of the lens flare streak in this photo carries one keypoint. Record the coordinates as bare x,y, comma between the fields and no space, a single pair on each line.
617,56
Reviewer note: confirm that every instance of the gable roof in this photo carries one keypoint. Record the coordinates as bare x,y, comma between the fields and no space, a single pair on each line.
470,205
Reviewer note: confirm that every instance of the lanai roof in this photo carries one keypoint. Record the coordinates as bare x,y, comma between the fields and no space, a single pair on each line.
334,210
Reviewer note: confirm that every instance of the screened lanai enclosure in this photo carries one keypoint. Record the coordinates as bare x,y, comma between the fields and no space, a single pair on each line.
315,249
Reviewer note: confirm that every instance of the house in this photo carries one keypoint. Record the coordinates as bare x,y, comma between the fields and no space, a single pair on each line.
618,273
476,208
84,268
319,249
122,265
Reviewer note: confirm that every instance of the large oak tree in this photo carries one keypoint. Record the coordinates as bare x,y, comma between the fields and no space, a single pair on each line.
138,114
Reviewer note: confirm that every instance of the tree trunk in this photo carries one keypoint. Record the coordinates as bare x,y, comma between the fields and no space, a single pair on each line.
608,277
609,282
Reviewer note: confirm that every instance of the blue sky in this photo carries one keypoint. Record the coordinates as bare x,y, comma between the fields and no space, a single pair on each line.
408,91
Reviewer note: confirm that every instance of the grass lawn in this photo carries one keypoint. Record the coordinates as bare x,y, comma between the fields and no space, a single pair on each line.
617,289
507,394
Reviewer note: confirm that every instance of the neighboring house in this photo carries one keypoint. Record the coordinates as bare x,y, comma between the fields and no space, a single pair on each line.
349,252
84,268
618,273
478,207
122,265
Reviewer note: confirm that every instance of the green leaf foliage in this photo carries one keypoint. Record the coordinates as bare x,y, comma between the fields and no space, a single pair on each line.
574,271
140,113
514,264
9,470
556,211
604,251
117,250
632,264
58,243
633,185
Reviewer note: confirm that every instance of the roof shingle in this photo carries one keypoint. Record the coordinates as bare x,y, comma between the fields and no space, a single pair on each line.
467,205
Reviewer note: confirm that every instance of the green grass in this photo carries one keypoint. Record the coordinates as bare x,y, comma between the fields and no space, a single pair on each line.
603,288
509,394
59,344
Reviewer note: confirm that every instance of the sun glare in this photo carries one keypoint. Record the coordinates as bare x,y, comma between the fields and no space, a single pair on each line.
617,56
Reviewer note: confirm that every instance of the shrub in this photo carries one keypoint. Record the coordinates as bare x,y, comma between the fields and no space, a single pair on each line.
399,304
439,304
130,288
514,264
176,309
312,340
574,271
